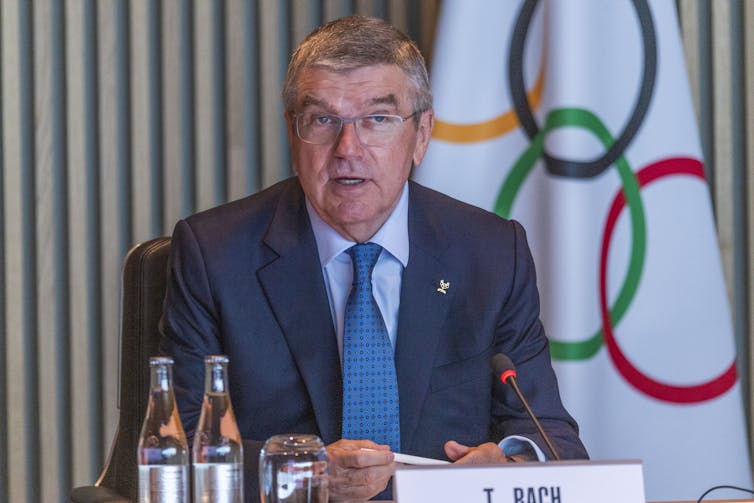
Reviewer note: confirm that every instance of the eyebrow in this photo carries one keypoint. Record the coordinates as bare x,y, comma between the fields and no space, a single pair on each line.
311,101
389,99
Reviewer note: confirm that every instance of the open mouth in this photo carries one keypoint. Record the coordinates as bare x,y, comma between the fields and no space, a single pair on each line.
349,181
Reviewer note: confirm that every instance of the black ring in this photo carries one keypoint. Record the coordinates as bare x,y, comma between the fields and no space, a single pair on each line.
582,169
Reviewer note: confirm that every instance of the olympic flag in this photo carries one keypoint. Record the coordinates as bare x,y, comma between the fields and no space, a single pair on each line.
576,119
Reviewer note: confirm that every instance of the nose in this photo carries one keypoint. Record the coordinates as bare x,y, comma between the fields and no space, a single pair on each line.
348,144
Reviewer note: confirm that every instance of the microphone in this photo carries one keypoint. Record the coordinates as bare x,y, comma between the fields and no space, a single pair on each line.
506,372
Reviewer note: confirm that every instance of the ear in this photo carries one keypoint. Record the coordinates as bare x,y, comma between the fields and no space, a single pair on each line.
423,135
290,127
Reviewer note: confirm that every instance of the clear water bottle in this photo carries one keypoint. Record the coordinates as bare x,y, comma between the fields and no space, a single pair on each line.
163,454
217,450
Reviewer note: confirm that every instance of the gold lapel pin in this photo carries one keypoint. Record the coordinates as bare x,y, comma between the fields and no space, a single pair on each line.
444,285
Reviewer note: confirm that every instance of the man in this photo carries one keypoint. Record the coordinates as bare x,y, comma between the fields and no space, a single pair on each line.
267,280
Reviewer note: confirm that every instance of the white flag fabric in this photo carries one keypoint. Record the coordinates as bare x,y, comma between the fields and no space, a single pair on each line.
575,118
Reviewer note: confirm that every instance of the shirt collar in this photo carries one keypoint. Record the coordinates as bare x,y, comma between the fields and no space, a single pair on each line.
392,236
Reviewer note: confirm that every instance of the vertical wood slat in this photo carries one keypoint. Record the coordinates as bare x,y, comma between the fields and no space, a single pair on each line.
171,108
86,430
728,170
122,64
748,105
284,49
205,149
269,81
54,344
110,219
252,122
237,176
304,18
29,328
219,101
721,134
739,190
93,242
156,121
45,458
186,91
12,203
147,207
3,319
61,234
706,90
332,9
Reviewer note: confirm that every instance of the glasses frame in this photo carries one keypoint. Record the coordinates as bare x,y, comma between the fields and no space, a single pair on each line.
347,120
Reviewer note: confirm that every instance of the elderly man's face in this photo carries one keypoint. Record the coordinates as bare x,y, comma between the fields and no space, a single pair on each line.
353,186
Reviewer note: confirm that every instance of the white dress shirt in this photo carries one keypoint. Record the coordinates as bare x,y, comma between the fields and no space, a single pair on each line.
386,276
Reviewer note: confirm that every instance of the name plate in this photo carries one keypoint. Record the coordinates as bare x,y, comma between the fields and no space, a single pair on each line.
550,482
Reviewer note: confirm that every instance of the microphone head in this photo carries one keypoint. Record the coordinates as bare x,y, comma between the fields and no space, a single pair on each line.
503,367
506,371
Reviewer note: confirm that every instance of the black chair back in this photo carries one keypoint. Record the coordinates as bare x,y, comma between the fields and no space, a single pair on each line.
143,292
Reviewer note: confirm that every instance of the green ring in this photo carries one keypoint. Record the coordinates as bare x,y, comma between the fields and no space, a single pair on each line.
587,348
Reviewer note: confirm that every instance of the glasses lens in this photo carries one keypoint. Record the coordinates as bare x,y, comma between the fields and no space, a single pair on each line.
378,129
318,128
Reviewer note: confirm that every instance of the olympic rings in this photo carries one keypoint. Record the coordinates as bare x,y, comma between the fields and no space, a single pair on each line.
570,168
629,194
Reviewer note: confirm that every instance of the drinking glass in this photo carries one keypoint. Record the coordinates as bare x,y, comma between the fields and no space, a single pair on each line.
293,469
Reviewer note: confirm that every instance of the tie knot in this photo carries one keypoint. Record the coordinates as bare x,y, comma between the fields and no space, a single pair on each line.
364,257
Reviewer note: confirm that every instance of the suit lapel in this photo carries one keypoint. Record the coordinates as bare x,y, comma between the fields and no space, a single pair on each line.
296,292
423,310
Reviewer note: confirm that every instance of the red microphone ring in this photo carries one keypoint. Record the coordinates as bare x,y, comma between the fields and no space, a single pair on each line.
506,375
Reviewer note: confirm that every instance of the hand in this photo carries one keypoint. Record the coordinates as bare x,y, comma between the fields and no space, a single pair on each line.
356,474
488,453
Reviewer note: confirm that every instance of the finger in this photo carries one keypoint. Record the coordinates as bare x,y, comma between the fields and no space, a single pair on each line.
488,453
349,444
455,451
363,458
350,455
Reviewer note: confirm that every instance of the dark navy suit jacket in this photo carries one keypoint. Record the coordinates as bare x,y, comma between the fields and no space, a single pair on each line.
245,280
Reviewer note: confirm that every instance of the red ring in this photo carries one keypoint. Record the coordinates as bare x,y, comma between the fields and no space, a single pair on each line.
507,375
640,381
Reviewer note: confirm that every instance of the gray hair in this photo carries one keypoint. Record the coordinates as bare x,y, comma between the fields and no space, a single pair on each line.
354,42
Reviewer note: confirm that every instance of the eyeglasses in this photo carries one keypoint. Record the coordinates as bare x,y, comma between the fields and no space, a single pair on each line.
373,130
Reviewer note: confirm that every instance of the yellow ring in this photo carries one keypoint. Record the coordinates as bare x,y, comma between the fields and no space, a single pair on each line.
497,126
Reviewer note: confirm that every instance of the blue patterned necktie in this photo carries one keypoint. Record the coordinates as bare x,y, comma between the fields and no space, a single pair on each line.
370,387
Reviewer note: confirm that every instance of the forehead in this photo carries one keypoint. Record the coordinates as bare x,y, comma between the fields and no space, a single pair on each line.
385,85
